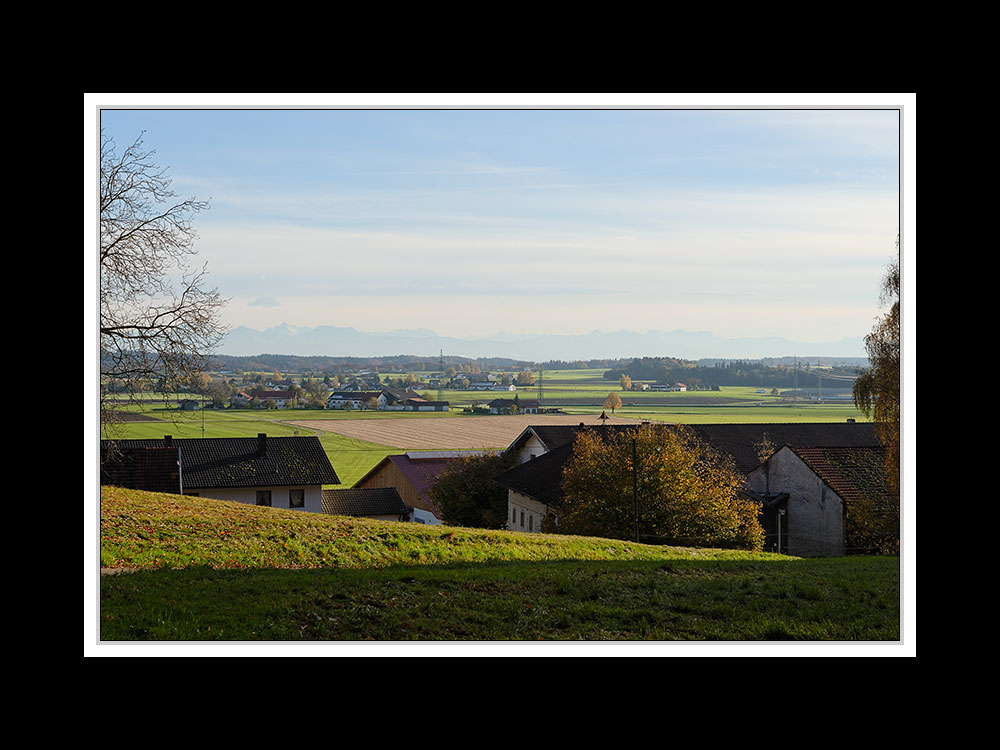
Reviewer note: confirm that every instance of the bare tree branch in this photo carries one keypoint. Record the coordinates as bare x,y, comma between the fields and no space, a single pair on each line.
151,334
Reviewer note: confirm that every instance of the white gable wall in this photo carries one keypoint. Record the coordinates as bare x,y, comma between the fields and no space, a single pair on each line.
532,447
815,511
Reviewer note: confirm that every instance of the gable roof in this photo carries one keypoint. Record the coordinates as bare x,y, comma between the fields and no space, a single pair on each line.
399,394
541,477
212,463
853,472
741,440
271,394
372,501
420,469
154,469
524,403
554,436
354,395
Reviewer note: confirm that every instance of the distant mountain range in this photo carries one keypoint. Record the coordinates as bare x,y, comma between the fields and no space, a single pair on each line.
349,342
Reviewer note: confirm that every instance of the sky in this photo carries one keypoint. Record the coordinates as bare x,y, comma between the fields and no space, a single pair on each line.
742,220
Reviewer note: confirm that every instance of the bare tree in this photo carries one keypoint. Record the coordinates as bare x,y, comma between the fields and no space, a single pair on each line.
159,322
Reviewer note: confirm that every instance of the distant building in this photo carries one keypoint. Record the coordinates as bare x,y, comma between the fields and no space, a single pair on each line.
506,406
279,398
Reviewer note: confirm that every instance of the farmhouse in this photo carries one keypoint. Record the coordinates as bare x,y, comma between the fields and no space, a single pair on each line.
356,400
413,474
282,472
279,399
384,399
507,406
806,494
487,383
534,490
380,503
534,486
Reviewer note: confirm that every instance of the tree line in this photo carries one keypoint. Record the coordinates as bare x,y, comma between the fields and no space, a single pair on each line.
333,365
666,370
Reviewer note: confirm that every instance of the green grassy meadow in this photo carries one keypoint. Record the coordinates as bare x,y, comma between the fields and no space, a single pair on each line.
207,570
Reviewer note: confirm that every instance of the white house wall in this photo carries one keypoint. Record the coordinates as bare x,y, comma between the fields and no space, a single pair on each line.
524,513
279,496
815,511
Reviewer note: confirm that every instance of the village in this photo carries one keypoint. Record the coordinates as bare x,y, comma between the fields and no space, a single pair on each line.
803,487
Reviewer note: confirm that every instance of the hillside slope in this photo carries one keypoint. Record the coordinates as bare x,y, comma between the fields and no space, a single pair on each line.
150,530
205,570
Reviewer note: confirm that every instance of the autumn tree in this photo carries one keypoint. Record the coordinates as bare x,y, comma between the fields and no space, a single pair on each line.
613,401
876,391
684,491
625,381
158,319
466,494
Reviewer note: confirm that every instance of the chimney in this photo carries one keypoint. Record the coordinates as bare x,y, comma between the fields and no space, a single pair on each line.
261,445
168,440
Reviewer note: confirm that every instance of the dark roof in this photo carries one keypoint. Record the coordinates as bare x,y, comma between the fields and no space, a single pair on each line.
541,477
154,469
271,394
207,463
553,436
421,471
374,501
741,441
853,472
399,394
524,403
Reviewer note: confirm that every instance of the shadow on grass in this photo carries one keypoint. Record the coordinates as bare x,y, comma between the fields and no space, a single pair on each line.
836,599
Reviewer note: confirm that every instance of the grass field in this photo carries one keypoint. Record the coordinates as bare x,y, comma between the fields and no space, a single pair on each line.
356,441
217,571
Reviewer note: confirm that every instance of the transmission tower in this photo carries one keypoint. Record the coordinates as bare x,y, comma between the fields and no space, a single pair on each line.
440,379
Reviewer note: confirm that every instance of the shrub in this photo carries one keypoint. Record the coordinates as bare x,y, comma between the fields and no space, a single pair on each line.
466,494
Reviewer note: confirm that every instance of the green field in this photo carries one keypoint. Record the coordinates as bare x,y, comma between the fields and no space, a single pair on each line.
219,571
352,458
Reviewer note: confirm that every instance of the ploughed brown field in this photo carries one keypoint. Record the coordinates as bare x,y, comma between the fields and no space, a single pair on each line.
450,433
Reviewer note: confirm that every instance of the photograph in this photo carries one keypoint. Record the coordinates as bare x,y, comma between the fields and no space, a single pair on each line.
536,375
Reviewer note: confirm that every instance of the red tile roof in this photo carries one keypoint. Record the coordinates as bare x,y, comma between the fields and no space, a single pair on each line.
853,472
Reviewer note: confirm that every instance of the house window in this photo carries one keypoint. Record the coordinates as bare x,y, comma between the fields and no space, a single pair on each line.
522,519
531,523
264,497
296,498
